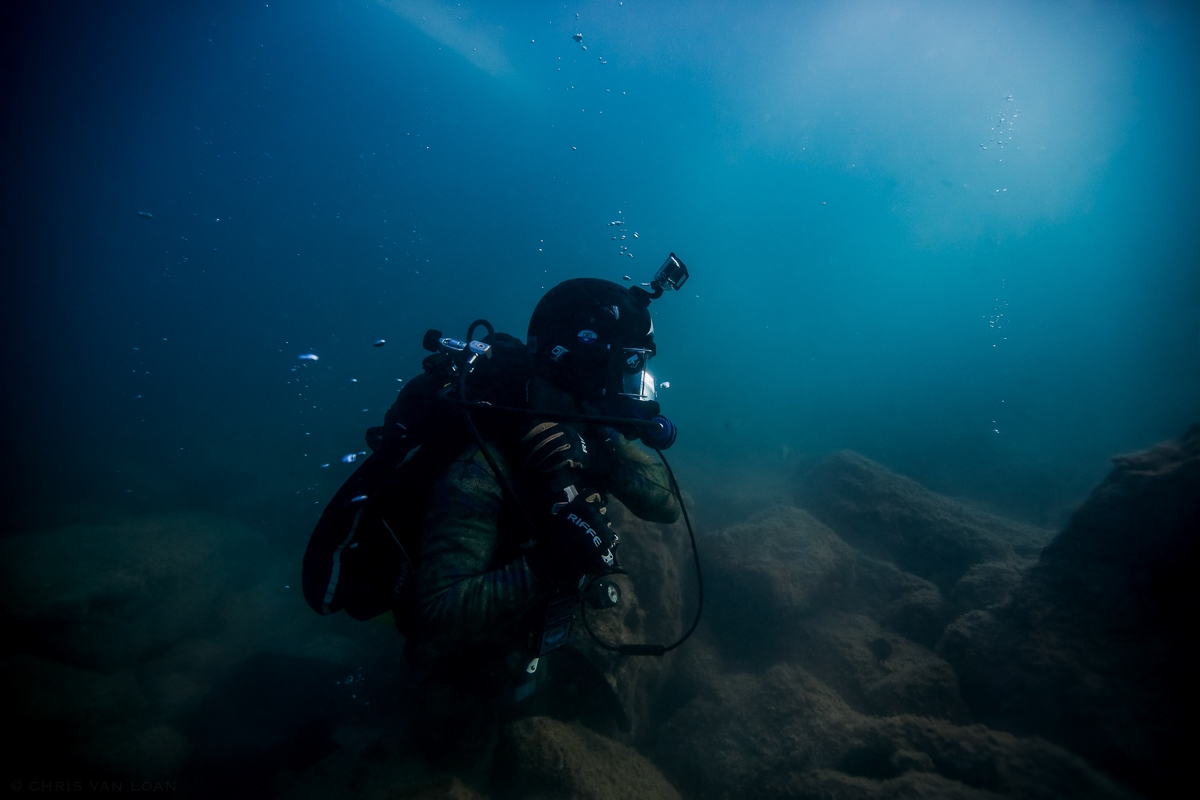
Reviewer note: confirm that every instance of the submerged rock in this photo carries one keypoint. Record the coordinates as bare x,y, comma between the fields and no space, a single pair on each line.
878,672
108,597
540,758
812,677
894,518
763,575
896,599
121,632
1093,649
785,734
616,693
988,585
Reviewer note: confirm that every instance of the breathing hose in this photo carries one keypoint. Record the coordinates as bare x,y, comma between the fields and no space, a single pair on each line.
659,649
559,416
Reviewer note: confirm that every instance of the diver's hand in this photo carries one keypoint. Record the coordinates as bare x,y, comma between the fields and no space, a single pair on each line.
576,539
602,454
552,447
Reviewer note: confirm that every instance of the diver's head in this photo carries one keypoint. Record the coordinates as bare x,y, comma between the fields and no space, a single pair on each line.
594,339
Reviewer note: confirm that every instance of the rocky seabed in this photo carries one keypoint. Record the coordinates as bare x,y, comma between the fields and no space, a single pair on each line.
870,640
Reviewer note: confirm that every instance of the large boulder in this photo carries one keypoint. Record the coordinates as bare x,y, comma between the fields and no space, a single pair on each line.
785,734
898,600
111,632
988,585
123,635
109,596
763,575
876,671
896,519
1093,650
612,693
540,758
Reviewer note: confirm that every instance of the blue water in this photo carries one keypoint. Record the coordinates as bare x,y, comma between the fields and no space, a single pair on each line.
961,239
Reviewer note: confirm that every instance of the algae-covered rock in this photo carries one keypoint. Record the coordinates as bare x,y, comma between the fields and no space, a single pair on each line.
876,671
896,599
109,596
729,740
121,632
894,518
650,610
988,585
1092,650
785,734
543,758
763,575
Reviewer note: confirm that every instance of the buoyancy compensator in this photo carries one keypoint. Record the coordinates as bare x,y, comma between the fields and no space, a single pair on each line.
362,555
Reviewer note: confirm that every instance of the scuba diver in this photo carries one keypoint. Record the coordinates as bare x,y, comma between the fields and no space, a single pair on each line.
480,595
503,456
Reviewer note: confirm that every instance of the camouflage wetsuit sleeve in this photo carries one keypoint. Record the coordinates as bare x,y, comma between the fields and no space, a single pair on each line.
463,593
640,482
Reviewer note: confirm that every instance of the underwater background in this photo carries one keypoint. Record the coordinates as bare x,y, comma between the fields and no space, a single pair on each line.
962,240
871,268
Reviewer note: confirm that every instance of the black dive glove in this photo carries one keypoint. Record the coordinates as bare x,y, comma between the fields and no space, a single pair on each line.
575,539
551,447
563,456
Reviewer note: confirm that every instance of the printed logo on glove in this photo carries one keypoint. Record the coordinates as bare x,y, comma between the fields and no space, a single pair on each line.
576,541
606,556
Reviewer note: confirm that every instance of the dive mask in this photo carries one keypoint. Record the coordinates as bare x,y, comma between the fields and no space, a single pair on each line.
636,381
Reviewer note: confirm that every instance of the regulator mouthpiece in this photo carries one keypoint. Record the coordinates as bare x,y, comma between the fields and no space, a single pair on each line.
663,436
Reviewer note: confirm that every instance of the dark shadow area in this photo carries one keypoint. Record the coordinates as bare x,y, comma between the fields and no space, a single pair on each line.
272,713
